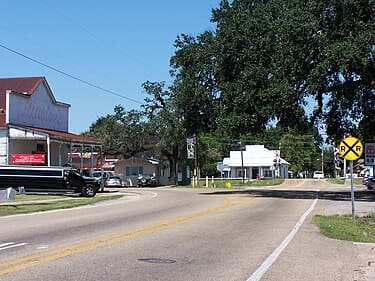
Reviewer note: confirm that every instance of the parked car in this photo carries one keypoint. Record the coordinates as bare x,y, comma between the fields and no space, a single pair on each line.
318,175
146,180
101,174
113,181
47,179
101,177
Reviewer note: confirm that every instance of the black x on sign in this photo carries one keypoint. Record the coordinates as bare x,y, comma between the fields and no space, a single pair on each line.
351,148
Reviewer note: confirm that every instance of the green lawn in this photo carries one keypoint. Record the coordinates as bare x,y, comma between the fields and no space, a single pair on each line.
67,202
356,181
35,197
362,229
224,183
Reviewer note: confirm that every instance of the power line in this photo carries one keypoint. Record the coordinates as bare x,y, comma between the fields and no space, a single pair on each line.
70,75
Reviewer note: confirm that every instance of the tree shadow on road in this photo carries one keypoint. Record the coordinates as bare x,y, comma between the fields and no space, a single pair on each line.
361,195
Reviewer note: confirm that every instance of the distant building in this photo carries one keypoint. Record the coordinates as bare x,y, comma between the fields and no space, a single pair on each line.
129,170
34,125
256,162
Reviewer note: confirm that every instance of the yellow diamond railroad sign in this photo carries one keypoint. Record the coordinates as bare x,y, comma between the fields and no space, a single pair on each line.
351,148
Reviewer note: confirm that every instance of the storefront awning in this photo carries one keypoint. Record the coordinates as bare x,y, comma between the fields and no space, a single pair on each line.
31,133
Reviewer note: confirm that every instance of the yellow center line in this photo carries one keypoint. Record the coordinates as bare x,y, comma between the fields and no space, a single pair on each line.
106,240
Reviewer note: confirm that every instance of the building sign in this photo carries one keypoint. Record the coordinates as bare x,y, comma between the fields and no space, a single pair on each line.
38,110
190,145
28,159
369,154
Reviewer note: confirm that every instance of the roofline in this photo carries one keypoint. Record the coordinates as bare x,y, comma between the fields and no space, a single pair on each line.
61,136
49,90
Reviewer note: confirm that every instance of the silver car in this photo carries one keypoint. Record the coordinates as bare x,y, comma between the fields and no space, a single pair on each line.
113,181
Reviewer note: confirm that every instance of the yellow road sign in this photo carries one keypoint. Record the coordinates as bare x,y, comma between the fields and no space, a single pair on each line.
351,148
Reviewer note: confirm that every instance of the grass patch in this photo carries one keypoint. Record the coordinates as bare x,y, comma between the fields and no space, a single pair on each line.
223,183
336,181
35,197
362,229
12,209
356,181
267,182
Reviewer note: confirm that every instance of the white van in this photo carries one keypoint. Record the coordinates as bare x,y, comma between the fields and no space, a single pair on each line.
318,175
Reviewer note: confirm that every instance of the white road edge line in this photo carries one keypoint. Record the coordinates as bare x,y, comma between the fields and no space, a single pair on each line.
6,244
13,246
273,257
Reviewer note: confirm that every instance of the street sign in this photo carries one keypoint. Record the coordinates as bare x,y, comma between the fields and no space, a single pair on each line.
351,148
190,147
369,154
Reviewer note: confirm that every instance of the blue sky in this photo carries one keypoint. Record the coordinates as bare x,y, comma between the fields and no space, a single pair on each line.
116,45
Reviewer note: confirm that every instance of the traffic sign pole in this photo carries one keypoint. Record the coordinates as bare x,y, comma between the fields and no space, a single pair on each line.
351,149
352,189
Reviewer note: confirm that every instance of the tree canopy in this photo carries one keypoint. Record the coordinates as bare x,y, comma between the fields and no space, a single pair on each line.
123,132
269,61
275,71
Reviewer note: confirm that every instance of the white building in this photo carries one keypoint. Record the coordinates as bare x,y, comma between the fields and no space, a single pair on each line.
255,161
34,125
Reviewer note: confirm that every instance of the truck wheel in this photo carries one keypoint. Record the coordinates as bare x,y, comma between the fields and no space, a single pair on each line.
89,190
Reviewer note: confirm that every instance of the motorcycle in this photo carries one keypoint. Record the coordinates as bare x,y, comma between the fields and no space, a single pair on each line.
369,182
146,180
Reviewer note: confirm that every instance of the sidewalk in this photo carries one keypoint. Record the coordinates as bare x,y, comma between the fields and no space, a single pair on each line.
364,251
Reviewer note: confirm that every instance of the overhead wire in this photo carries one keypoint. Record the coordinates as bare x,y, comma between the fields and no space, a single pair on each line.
70,75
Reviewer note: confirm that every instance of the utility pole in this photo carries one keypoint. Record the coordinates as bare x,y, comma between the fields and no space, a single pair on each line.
196,159
243,170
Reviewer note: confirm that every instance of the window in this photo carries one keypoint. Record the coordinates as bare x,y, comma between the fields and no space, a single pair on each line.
267,173
39,147
239,173
133,171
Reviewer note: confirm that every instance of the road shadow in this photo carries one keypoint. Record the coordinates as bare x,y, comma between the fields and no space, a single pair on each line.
361,195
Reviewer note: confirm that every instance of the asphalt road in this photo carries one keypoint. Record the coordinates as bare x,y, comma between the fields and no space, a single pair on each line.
179,234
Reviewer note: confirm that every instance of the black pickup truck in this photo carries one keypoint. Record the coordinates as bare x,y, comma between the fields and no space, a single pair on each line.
48,179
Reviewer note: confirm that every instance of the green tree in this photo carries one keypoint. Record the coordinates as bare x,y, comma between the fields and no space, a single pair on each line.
165,120
328,161
109,130
300,151
195,89
124,132
267,60
211,149
137,134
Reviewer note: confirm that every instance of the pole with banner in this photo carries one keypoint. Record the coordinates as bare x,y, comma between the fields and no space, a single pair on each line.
351,149
192,154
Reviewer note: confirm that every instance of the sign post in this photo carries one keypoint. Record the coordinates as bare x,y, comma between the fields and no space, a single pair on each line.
191,145
351,149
